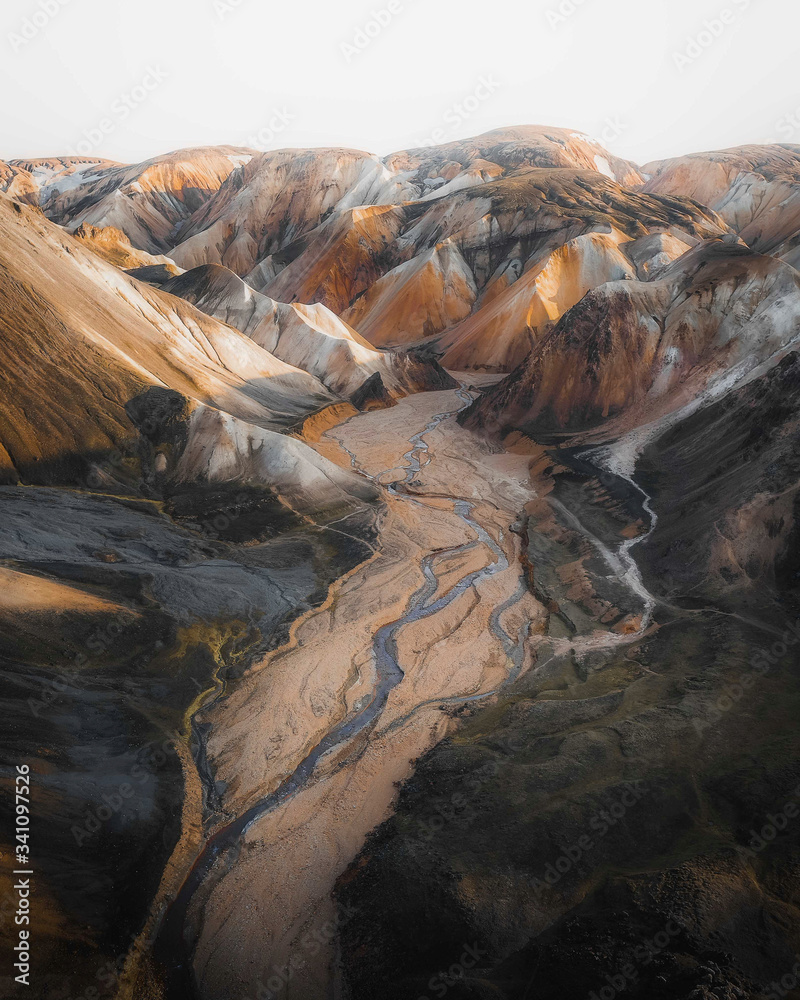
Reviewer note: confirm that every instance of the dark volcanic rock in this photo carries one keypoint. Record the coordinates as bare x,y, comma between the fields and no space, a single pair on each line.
625,821
372,394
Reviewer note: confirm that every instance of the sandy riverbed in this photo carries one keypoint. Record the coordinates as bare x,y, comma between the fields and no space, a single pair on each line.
261,913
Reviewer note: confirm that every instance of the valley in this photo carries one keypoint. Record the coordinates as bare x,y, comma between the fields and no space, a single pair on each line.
400,570
366,689
364,694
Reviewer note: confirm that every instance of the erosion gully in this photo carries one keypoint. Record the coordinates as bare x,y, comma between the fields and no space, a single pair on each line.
173,950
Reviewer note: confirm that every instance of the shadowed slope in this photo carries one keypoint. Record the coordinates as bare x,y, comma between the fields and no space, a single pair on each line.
113,246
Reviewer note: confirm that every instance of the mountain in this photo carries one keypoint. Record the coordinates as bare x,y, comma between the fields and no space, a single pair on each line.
524,301
308,337
278,197
422,243
108,341
515,147
281,196
429,293
631,352
756,190
401,564
46,179
149,202
450,262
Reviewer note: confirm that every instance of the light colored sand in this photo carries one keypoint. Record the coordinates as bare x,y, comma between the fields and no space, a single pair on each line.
256,918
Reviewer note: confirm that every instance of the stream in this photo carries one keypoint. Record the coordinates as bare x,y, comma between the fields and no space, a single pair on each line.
172,950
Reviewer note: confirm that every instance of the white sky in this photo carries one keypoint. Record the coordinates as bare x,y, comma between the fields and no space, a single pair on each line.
230,70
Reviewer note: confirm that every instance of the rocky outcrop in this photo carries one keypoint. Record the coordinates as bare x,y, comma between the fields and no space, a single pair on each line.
372,394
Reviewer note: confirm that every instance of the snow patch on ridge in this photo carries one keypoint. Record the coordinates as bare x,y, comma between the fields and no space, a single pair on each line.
604,167
585,138
54,182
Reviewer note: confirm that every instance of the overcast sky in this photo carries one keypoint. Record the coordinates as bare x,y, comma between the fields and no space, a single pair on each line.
653,78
